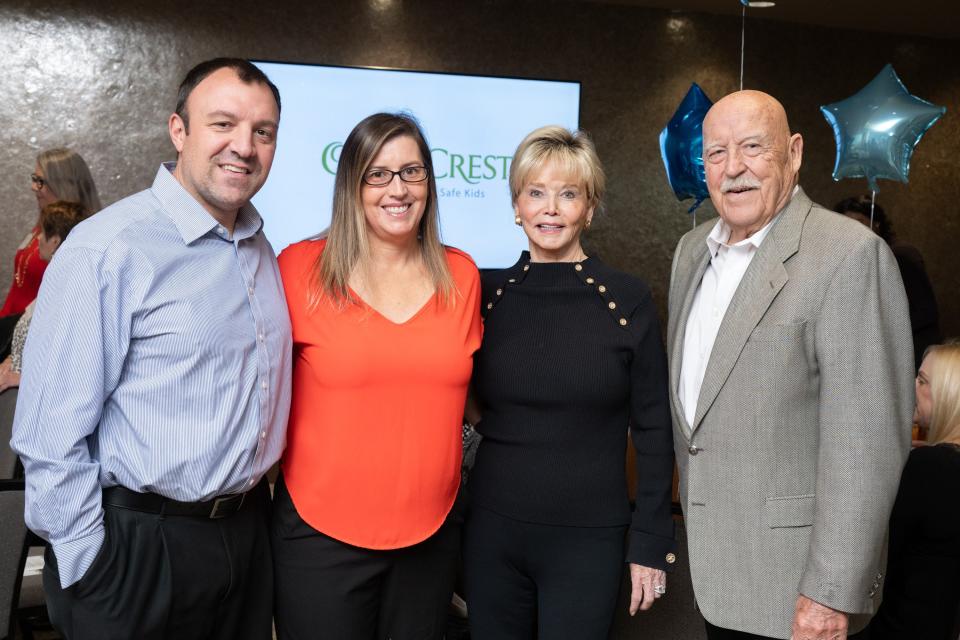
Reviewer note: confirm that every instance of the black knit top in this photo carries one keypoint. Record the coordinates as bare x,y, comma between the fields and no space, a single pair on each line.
921,595
571,357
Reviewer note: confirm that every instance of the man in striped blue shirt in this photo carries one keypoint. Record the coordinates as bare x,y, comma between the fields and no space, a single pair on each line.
156,387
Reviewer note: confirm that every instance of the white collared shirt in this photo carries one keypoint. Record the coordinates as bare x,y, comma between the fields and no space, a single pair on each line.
728,263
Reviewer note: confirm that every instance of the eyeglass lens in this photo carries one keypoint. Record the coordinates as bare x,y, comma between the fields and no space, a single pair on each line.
381,177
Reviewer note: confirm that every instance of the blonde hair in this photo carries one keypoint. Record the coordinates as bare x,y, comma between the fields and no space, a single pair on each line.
347,243
944,392
572,151
69,177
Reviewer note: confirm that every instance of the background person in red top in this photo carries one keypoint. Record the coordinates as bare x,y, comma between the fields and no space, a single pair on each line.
60,174
385,323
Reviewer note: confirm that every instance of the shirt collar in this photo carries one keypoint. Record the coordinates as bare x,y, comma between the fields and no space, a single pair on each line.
189,216
721,232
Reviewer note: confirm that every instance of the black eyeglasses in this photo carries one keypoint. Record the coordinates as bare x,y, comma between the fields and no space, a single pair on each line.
37,180
383,177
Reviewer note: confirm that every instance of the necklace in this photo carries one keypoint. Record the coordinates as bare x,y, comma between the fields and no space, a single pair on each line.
23,261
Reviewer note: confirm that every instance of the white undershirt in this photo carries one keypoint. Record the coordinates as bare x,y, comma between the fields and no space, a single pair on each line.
727,265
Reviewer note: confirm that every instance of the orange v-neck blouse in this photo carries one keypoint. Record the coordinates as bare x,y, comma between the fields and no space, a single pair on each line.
374,439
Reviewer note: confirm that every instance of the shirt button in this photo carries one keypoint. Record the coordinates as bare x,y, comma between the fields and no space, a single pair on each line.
263,385
526,267
499,292
590,280
623,322
221,230
602,289
578,267
671,558
251,483
612,304
250,290
260,337
263,434
694,449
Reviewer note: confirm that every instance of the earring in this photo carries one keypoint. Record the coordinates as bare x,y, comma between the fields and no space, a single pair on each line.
589,221
517,221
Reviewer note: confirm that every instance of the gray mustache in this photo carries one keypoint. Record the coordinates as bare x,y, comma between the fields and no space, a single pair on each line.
742,182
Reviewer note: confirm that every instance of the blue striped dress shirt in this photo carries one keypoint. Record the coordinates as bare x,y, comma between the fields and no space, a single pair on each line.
158,359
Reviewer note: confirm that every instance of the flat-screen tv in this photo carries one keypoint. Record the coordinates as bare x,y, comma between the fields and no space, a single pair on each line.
473,125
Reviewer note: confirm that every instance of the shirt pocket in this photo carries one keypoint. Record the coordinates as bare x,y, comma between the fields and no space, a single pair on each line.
790,511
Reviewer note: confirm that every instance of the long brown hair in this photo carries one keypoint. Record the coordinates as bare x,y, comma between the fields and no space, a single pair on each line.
347,242
69,177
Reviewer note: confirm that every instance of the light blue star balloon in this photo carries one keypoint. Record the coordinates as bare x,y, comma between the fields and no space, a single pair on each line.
877,128
681,147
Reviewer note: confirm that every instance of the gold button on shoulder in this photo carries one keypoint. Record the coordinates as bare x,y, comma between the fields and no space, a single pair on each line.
612,304
489,305
623,322
578,267
590,280
602,289
671,558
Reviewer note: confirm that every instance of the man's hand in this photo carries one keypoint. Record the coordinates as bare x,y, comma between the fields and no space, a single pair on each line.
643,581
814,621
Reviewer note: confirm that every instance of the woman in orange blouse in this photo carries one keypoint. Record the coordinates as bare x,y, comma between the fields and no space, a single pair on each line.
385,323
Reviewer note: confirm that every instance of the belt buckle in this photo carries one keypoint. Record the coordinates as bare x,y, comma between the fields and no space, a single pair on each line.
215,511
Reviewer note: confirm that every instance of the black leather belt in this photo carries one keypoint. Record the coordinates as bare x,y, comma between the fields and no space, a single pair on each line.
124,498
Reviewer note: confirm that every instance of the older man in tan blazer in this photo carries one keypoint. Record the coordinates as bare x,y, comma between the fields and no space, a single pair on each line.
791,390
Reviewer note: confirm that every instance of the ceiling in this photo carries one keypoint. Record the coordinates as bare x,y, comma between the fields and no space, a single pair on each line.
933,18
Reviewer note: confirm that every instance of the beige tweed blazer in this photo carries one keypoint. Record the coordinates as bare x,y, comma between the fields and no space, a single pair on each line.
790,468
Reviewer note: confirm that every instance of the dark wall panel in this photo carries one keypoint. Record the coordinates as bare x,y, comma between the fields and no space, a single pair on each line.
101,78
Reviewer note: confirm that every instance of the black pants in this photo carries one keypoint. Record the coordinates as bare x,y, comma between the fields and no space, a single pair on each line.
526,581
719,633
332,590
176,577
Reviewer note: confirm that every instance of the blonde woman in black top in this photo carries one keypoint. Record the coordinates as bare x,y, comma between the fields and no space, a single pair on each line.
921,595
571,358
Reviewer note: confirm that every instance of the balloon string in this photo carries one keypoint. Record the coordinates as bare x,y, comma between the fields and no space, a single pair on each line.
873,197
743,39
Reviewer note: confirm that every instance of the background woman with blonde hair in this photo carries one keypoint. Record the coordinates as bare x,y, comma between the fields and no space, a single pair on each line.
385,323
60,174
921,596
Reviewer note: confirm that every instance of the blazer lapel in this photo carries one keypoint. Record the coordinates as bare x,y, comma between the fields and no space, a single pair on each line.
761,283
689,285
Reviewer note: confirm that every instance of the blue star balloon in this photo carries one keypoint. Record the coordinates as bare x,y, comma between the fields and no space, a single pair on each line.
877,128
681,147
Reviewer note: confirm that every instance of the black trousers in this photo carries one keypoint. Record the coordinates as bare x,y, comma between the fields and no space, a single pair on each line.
527,581
719,633
332,590
171,577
